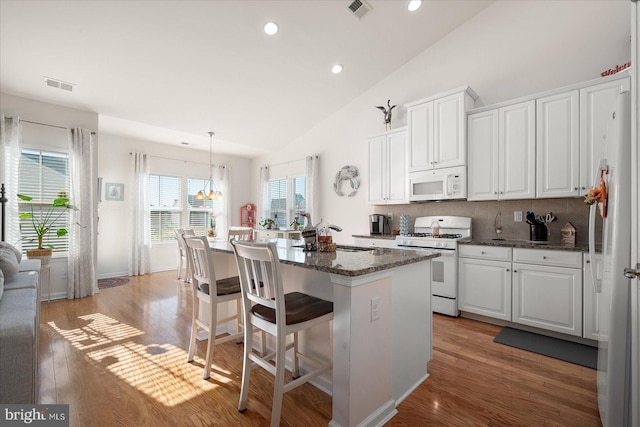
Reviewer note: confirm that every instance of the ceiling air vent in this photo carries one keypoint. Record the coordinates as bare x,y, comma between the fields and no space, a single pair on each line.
59,84
359,8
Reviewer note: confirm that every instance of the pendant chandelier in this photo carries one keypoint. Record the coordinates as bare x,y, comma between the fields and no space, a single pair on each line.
213,195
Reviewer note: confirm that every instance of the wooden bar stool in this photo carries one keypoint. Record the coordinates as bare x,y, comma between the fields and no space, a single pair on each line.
278,314
206,288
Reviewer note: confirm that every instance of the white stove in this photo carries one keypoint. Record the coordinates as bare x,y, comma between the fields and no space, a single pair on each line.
444,269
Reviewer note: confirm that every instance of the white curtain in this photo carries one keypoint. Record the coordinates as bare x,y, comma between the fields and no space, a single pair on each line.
11,150
311,187
140,245
263,202
222,211
83,162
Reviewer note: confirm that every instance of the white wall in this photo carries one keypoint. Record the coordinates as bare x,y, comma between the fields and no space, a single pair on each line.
114,166
511,49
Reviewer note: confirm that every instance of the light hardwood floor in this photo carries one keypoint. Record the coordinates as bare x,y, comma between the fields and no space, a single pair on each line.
119,359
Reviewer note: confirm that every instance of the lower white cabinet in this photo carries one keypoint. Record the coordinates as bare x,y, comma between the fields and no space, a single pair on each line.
485,287
548,297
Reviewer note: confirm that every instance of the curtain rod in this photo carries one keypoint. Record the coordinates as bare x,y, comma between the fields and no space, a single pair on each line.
47,124
290,161
184,161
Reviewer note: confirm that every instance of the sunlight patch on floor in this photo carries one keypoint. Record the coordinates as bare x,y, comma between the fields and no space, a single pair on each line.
160,371
98,330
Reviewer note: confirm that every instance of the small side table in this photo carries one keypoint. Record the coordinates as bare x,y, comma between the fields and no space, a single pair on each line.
45,279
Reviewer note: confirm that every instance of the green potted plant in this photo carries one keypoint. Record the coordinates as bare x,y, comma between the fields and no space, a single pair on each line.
42,224
267,223
212,226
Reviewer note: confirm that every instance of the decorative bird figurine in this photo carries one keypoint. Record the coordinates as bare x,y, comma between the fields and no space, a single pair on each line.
387,113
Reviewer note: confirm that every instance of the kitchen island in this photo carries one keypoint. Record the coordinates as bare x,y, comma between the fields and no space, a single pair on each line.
381,332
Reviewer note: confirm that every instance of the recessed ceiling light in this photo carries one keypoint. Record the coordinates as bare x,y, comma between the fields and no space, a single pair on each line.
414,5
336,69
271,28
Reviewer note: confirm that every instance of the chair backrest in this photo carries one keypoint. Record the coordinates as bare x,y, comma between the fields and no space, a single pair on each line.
179,232
201,261
240,233
189,232
260,278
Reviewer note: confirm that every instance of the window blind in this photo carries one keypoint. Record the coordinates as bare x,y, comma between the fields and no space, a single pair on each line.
165,207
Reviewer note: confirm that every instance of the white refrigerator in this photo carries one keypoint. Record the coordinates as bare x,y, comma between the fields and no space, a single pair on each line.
613,290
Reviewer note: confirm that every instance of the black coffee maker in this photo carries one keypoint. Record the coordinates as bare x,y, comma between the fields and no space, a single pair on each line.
378,224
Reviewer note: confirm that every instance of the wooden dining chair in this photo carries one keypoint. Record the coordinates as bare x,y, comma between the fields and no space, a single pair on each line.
279,315
211,291
240,233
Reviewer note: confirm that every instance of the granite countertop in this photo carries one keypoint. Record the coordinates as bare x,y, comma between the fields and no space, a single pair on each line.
375,236
527,244
345,261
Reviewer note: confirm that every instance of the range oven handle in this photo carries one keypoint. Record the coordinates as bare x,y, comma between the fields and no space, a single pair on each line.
441,251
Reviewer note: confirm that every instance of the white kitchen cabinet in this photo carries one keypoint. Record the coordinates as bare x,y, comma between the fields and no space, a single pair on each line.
596,106
592,306
547,290
501,148
437,130
558,145
485,287
376,243
388,168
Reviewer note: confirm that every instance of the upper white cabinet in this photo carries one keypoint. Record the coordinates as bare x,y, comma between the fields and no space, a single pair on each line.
388,168
501,148
558,145
437,130
596,106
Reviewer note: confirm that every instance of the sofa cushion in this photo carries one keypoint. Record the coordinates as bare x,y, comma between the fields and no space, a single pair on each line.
13,248
8,262
22,280
18,317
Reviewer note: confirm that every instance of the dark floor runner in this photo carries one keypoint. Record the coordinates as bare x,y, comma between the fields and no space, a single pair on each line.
568,351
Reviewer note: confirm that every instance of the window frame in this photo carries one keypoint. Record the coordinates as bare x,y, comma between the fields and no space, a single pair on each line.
291,207
41,204
165,237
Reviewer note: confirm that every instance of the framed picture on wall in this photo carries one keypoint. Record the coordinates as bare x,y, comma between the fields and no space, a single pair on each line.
113,191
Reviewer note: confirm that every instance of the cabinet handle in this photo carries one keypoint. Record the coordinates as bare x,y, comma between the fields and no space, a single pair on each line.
587,261
584,188
544,257
482,252
501,192
515,271
495,192
507,270
575,188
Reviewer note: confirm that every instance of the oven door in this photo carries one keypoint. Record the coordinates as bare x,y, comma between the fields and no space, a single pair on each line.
444,274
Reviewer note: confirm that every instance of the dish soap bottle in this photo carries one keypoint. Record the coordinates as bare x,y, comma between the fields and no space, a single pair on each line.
435,228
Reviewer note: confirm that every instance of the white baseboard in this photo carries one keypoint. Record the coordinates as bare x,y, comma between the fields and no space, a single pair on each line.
111,275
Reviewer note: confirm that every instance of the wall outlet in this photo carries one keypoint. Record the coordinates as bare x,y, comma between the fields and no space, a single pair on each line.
517,216
375,308
390,215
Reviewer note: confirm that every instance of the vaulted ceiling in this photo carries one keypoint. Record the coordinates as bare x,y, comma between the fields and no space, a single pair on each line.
170,71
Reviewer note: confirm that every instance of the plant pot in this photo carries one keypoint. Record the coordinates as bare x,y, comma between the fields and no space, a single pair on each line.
44,255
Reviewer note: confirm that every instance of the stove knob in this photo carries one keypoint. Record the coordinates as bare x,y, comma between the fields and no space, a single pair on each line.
437,244
445,244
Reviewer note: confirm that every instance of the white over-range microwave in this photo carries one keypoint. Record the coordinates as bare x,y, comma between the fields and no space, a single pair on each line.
438,184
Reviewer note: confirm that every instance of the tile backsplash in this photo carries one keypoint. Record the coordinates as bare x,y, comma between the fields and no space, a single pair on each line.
485,215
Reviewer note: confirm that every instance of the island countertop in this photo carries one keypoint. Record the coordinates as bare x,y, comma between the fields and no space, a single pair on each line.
347,260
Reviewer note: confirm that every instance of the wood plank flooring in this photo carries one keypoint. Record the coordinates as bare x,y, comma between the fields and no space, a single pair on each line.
119,359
